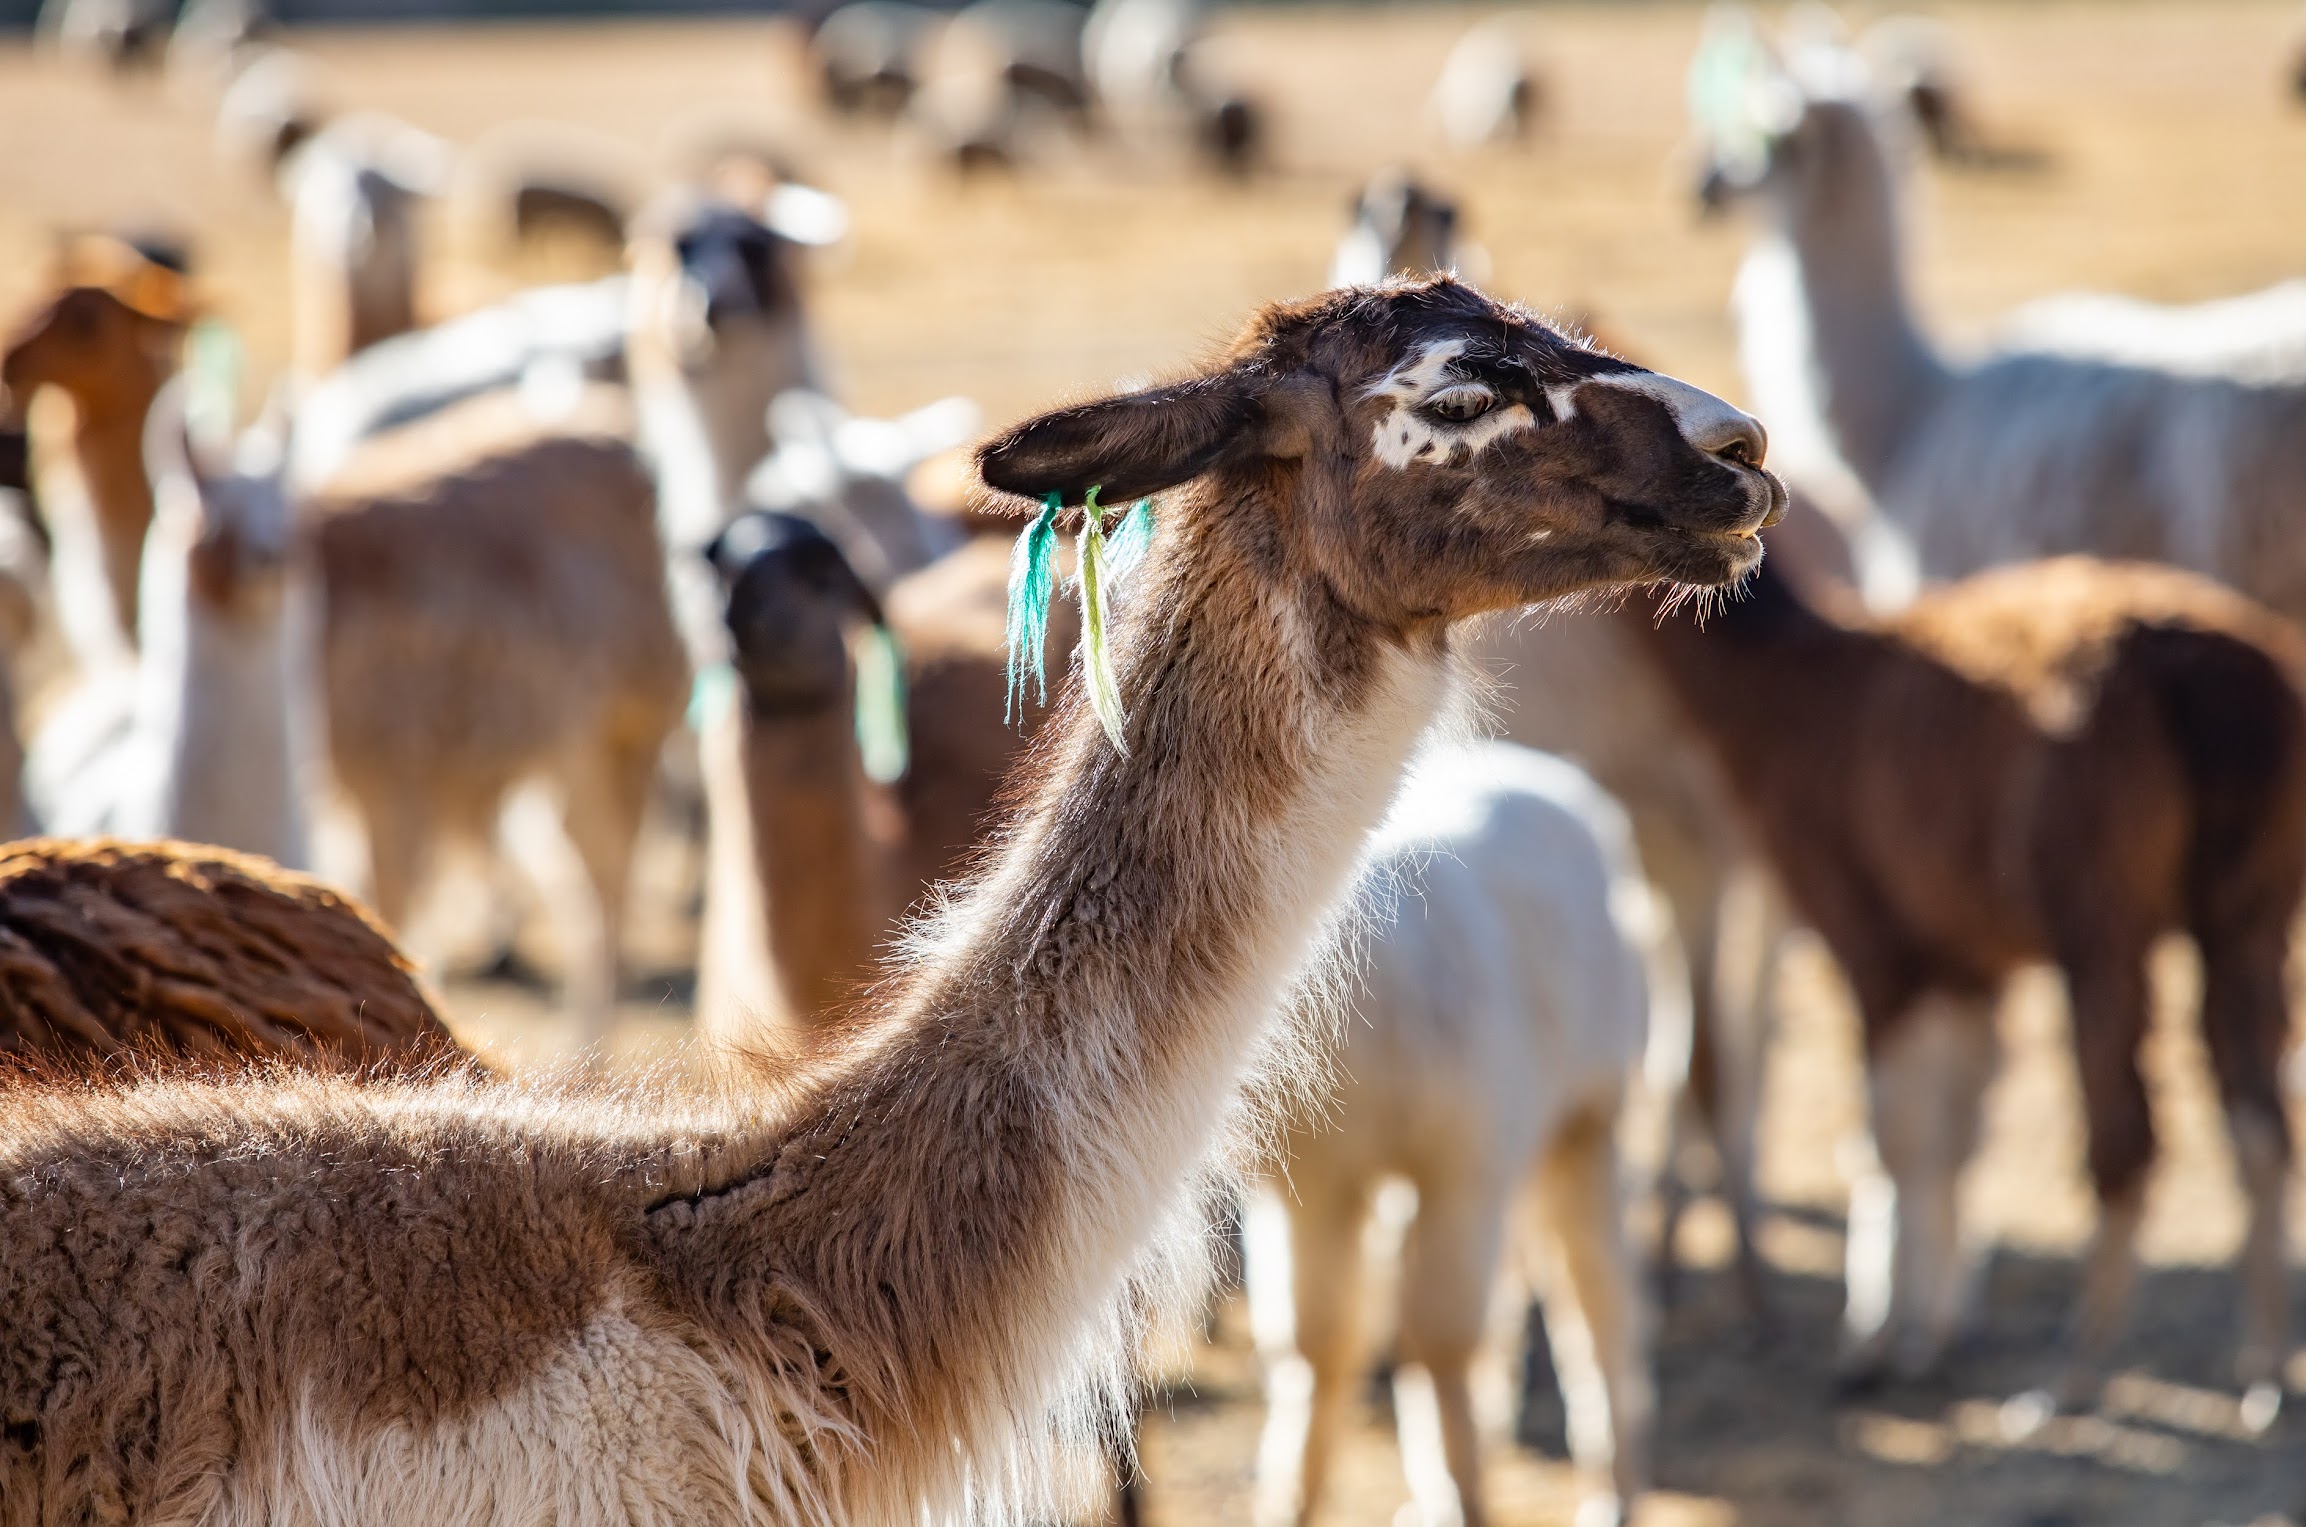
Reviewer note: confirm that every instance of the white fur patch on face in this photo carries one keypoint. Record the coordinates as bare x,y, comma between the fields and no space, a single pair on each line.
1704,420
1406,435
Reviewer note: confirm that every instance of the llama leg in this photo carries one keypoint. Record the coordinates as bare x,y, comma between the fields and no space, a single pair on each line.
2245,1022
1303,1263
602,817
1754,925
1603,1355
399,833
1926,1078
1449,1265
2110,1000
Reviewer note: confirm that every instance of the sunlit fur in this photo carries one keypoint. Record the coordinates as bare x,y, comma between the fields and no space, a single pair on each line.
859,1290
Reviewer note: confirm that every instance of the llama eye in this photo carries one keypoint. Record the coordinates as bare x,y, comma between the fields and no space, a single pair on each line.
1459,405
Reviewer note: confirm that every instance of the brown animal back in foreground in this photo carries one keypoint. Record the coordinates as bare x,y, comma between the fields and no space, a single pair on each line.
112,950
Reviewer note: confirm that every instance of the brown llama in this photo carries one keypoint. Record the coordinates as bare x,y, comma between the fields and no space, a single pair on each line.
138,954
107,340
859,1290
2062,761
810,863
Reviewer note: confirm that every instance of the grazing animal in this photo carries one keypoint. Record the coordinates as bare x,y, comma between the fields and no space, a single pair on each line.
1400,227
354,190
123,956
125,34
107,340
2062,761
847,474
810,863
271,107
1489,91
999,71
202,745
1146,63
2017,454
494,611
858,1290
2257,338
1501,1018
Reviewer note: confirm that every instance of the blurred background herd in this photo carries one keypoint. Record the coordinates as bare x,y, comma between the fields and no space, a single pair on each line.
515,469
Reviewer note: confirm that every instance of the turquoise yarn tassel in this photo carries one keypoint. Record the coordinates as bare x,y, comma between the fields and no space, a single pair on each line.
1127,546
1032,579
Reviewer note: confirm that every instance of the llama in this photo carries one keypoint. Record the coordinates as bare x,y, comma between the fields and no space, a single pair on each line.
2257,338
126,956
1488,92
997,74
354,189
2061,762
2011,456
1146,64
205,748
107,341
1400,227
860,1289
126,35
809,865
869,55
715,331
847,474
494,611
1502,1017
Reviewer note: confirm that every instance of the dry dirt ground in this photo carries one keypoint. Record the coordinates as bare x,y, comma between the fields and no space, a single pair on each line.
2171,166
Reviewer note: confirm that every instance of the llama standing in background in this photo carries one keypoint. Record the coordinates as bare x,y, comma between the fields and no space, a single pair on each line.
809,864
494,611
855,1292
1401,227
138,955
2016,455
354,190
1501,1018
2060,762
206,748
108,341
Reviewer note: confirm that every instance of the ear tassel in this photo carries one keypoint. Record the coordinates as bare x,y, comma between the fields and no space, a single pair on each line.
1032,580
881,732
1104,559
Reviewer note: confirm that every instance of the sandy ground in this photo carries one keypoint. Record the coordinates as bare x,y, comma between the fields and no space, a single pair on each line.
2172,167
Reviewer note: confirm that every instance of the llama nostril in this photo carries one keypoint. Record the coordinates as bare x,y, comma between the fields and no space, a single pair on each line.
1746,445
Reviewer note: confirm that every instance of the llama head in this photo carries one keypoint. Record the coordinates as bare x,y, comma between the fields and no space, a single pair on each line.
1424,453
705,270
218,506
1795,126
791,602
108,334
1399,227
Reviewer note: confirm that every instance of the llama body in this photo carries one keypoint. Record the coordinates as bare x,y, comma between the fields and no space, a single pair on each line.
854,1291
2017,454
179,952
1502,1015
2057,762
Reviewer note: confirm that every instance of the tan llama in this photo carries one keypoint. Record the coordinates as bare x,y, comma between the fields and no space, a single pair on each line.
860,1290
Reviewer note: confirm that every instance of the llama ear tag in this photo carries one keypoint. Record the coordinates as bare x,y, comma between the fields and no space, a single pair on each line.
1033,582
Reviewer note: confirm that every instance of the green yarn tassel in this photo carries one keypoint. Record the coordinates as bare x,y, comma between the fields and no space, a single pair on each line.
213,362
1096,656
881,734
712,693
1032,579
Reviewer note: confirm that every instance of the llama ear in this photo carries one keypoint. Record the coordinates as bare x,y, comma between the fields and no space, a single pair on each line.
1132,445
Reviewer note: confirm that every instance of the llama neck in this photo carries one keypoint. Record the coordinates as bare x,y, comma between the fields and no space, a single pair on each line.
1876,374
821,873
212,724
99,562
707,429
962,1193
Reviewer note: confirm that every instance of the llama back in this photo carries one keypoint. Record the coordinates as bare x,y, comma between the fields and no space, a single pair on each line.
1517,911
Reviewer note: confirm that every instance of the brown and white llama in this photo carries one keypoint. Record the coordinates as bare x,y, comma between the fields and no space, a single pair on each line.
855,1291
2063,761
107,341
119,958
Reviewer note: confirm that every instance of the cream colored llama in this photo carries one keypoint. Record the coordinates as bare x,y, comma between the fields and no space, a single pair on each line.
856,1291
1501,1017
